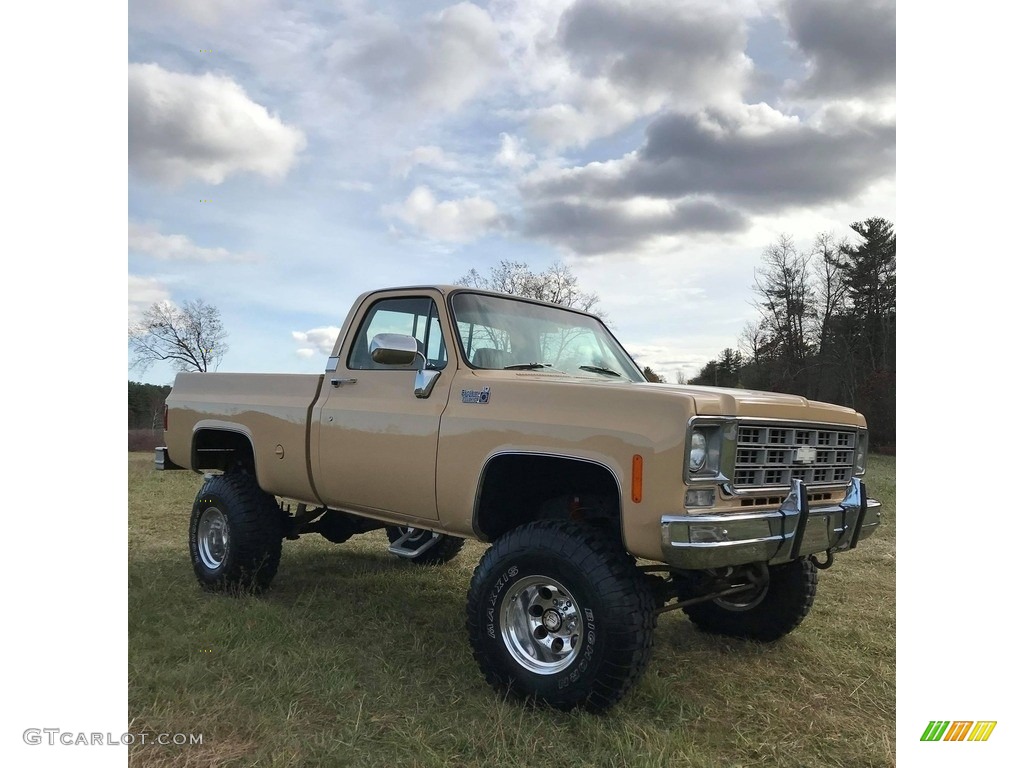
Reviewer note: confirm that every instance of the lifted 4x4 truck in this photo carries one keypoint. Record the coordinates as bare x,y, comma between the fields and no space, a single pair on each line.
449,413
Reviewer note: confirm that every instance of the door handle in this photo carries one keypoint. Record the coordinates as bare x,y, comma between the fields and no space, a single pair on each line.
339,382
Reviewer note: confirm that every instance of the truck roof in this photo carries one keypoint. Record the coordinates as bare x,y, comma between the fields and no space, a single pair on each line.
447,289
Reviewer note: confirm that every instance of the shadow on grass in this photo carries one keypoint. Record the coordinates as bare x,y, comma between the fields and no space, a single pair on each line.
380,616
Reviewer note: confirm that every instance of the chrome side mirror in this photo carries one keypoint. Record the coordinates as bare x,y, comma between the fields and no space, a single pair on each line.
399,349
393,349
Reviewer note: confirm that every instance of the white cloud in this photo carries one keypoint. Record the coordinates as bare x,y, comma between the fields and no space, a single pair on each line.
451,220
143,292
316,340
588,109
440,63
183,127
428,156
590,68
146,239
513,153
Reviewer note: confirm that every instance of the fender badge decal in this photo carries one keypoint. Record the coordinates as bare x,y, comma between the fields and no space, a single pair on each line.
472,396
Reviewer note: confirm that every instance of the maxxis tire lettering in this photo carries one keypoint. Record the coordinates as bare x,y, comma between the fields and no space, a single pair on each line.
510,574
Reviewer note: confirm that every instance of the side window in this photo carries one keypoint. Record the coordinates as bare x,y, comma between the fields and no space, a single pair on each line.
411,316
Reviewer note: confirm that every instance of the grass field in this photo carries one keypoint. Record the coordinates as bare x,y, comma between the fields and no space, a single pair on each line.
355,658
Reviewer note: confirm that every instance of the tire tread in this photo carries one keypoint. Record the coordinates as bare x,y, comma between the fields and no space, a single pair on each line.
791,590
255,529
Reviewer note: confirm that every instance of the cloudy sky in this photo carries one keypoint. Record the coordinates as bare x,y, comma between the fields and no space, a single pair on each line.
286,156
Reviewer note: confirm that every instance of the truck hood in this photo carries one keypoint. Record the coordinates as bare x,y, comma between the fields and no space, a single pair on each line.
723,401
715,401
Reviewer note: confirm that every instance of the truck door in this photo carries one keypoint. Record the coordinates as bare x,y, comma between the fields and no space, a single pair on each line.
377,440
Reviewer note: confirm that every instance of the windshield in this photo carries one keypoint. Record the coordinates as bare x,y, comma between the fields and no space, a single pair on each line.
499,333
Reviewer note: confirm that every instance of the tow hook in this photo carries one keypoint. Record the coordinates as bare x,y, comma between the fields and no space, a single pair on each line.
829,559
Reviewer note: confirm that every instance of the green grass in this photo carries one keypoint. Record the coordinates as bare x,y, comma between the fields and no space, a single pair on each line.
354,658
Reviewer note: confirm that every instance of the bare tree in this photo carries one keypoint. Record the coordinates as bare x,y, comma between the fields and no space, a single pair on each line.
556,284
787,306
190,337
826,256
561,287
753,340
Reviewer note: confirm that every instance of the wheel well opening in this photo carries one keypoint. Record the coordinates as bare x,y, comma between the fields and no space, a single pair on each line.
518,489
222,449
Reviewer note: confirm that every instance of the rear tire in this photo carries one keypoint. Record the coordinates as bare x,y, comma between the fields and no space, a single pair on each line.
559,613
443,551
234,535
767,614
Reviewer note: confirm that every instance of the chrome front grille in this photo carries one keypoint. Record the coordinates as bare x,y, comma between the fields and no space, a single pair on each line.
775,455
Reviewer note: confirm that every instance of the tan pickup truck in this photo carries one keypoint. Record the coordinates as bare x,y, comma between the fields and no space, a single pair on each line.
449,413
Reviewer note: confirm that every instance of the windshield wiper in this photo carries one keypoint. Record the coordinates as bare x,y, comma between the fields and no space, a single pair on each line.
526,366
599,369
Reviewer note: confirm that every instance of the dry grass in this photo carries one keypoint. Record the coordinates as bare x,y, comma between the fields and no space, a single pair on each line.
355,658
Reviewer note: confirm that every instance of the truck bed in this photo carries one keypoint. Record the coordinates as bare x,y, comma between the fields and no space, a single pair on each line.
272,410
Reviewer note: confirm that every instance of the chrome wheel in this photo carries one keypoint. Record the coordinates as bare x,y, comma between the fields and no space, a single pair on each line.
212,538
743,601
540,625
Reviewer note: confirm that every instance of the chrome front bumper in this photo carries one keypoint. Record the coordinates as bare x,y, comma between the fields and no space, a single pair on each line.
793,530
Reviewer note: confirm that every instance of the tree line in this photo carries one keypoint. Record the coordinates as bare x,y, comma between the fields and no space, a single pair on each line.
826,327
146,405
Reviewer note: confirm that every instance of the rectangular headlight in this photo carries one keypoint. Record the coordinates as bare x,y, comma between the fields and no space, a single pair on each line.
703,451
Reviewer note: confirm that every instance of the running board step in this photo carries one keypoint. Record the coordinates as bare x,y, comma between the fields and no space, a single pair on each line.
399,547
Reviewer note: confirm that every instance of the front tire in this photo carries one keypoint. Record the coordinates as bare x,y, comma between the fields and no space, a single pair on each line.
765,614
235,534
558,612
